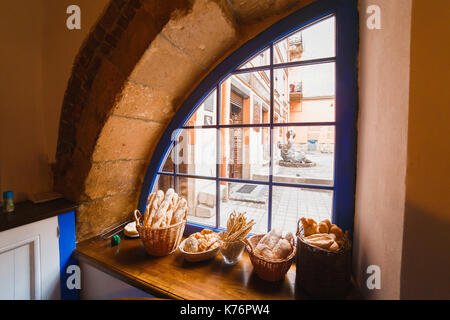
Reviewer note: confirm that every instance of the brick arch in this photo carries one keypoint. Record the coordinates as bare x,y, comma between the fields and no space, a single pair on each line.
138,64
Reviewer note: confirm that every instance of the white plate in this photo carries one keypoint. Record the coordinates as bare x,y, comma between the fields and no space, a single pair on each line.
131,223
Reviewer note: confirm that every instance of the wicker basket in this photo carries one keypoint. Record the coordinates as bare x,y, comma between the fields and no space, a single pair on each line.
160,241
269,270
322,273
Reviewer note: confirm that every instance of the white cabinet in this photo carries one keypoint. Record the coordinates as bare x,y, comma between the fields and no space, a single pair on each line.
29,261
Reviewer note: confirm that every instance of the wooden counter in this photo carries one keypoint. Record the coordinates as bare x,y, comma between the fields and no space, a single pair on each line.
172,277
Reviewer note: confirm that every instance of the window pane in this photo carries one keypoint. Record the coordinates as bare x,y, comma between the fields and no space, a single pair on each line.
164,182
313,42
245,99
290,204
201,198
196,152
245,197
167,164
245,153
304,154
260,59
311,91
205,115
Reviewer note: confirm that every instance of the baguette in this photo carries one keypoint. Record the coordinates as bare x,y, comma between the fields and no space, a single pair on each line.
155,206
150,200
178,215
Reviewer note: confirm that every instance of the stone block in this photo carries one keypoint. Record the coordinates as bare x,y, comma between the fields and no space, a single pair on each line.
204,33
94,216
126,138
70,183
112,177
166,68
106,87
133,42
206,199
143,102
162,10
204,212
250,10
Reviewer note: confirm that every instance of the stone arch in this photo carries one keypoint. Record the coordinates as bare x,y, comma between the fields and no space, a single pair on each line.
138,64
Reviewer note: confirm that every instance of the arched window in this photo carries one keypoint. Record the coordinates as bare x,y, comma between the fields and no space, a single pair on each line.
272,133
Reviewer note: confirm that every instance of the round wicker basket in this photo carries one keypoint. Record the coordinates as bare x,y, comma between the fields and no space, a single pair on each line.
269,270
322,273
160,241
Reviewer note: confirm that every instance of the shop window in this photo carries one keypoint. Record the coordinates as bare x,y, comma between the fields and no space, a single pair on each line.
265,141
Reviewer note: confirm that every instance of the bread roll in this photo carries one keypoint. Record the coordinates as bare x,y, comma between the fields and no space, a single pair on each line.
328,222
264,252
270,239
323,227
282,249
309,226
191,245
336,231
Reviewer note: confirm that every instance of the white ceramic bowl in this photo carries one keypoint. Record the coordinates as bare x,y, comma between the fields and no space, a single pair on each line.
198,256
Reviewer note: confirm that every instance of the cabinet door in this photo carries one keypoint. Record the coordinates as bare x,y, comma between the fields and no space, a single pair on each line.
29,261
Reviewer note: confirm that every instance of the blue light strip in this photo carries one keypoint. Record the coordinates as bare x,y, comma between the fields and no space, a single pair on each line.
66,225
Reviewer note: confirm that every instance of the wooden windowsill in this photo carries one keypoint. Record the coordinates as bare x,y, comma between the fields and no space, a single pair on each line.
172,277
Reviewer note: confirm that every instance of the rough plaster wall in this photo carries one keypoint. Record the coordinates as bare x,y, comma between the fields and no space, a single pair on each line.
382,141
426,242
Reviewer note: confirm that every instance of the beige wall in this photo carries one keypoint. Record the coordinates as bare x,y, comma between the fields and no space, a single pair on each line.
426,242
382,141
36,60
22,147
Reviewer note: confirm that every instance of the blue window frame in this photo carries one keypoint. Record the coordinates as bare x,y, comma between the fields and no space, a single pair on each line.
346,106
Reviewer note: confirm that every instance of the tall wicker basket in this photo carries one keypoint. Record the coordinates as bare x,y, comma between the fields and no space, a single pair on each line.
269,270
160,241
321,273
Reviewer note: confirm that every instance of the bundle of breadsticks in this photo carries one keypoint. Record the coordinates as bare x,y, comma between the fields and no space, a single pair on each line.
164,210
324,235
237,227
